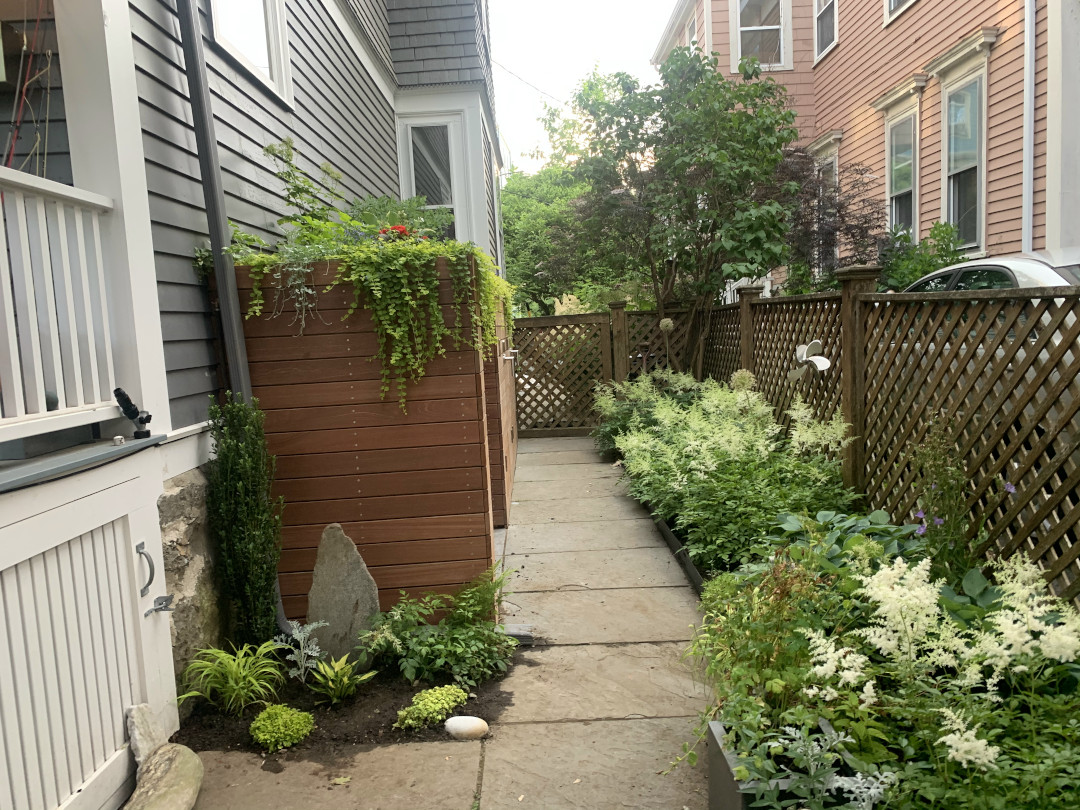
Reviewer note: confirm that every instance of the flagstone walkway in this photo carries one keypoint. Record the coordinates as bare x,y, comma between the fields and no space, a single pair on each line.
600,705
604,701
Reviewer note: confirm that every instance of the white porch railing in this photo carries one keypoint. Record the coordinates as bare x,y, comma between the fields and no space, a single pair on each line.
56,350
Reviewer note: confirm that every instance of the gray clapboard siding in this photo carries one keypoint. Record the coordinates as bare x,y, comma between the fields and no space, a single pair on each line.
338,116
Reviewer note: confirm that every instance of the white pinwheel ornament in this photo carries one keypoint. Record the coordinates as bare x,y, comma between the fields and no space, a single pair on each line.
808,356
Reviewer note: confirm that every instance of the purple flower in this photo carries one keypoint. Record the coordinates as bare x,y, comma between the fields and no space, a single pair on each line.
939,521
920,514
1009,488
921,529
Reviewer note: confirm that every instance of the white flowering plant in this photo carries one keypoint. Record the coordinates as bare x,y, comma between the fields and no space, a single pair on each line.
940,698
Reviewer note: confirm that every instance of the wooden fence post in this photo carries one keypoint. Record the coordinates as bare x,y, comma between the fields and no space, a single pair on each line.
620,341
854,281
746,325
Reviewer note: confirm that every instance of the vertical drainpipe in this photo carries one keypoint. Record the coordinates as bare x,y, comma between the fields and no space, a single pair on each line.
1027,203
202,117
217,222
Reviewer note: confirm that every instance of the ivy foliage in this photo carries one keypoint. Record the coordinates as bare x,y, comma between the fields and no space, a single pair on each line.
244,518
387,252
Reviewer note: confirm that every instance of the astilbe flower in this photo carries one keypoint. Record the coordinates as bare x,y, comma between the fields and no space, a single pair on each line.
963,743
830,661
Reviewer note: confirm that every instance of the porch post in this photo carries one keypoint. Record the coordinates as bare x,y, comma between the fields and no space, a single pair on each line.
854,281
105,134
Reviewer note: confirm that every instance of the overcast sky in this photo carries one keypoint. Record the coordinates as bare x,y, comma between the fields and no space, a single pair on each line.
552,45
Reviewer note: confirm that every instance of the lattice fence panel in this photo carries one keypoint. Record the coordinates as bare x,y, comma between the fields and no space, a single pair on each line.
646,342
780,326
559,361
1004,371
722,347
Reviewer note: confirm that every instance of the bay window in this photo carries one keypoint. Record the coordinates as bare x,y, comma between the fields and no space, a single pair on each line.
964,159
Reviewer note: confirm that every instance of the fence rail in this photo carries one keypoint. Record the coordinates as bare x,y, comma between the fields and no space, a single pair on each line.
56,355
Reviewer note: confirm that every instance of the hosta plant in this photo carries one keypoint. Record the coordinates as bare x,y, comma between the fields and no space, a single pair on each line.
232,681
337,679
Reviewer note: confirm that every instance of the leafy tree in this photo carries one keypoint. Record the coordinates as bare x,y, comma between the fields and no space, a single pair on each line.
905,261
684,175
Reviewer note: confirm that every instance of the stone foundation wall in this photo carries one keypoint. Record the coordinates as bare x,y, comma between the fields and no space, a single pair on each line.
189,567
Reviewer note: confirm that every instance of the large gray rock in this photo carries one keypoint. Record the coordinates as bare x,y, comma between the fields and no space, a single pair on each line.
342,594
144,734
169,780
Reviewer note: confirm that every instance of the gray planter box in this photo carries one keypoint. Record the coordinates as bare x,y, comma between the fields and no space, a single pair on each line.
725,791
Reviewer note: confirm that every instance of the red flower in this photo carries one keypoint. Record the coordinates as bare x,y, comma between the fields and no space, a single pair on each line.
401,229
382,231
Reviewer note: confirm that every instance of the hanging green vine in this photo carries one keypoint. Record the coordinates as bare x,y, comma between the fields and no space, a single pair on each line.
388,256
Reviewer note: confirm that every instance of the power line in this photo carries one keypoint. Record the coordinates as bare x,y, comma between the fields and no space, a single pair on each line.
530,84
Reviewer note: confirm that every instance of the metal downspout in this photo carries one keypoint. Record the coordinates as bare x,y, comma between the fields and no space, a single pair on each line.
1027,203
232,325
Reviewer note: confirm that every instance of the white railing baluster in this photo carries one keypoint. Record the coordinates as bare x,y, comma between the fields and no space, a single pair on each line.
45,296
65,303
104,341
12,402
22,282
56,351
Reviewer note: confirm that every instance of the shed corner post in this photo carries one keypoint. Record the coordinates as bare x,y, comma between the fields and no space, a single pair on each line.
855,282
620,341
747,296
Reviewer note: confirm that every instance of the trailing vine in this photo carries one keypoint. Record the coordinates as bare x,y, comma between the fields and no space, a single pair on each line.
388,256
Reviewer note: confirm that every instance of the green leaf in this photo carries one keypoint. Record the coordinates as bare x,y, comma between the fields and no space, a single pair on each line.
974,583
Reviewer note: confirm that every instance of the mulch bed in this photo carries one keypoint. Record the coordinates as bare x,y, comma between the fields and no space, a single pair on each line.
366,719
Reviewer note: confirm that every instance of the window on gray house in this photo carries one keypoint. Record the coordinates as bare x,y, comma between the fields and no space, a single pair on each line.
901,157
964,154
760,31
253,32
431,166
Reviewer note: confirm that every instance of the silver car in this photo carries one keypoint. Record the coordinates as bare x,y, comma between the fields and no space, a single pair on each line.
1059,268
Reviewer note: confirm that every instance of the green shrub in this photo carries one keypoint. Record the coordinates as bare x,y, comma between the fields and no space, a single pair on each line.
715,464
244,519
338,680
631,403
466,645
431,706
904,261
278,727
233,681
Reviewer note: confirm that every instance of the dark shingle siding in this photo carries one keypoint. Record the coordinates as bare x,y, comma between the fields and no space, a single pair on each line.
339,117
435,41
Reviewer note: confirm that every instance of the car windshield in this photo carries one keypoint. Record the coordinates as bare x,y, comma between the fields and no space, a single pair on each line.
1071,273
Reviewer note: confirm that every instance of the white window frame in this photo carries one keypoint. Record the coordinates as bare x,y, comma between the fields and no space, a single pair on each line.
819,52
977,72
829,155
787,58
458,180
894,118
691,24
894,13
279,82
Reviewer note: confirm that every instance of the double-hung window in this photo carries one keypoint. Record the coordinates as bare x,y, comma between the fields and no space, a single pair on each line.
828,246
901,173
691,32
253,32
761,31
894,7
824,26
964,159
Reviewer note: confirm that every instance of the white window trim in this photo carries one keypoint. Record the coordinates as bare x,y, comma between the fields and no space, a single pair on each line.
957,80
826,155
277,36
458,176
691,22
912,110
786,40
821,54
892,15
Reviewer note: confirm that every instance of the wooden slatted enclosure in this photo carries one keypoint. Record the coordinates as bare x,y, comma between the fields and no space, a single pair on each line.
413,489
500,393
722,344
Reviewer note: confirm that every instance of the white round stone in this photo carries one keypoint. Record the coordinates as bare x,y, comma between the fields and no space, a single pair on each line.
466,728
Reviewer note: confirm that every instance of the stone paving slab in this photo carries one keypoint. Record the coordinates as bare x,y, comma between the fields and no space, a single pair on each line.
603,508
591,766
594,682
556,444
605,617
431,775
623,568
565,472
580,488
558,457
583,535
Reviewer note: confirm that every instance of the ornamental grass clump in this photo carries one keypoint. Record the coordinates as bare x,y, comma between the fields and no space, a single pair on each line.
844,641
711,460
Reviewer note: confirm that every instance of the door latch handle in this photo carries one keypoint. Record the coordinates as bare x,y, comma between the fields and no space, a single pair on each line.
162,604
141,550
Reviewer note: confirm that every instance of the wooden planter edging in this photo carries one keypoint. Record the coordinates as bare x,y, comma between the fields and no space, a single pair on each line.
725,791
697,581
413,489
